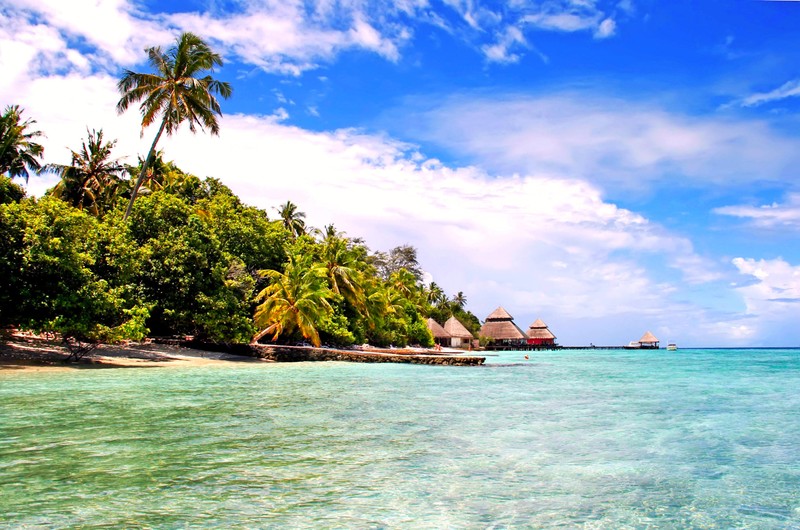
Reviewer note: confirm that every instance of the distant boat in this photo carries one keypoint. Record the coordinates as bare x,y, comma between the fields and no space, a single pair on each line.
672,346
633,345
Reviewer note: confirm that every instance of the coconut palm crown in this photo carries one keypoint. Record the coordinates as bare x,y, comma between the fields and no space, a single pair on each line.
91,180
19,153
180,90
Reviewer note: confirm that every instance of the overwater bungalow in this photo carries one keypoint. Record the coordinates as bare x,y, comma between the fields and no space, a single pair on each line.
440,335
460,336
539,336
499,326
647,342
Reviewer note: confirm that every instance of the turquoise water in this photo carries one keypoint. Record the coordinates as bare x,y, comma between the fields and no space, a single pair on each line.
569,439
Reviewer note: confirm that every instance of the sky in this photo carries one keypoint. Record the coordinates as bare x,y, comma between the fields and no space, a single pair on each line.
610,167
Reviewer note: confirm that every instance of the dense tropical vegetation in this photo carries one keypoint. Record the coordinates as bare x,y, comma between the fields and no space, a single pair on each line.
188,257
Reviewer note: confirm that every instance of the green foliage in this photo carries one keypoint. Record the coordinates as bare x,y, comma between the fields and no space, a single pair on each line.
134,328
402,257
10,191
196,287
334,329
49,256
244,231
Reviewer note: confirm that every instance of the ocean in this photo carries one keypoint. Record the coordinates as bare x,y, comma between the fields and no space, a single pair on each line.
567,439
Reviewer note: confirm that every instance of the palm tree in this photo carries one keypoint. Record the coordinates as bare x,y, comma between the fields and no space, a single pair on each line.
296,299
341,266
176,92
460,300
435,294
91,180
18,152
292,219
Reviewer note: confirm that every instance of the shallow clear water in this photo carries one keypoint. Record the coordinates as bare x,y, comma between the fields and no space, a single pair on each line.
572,439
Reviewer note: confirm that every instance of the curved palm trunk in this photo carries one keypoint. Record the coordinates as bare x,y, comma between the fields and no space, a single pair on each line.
145,167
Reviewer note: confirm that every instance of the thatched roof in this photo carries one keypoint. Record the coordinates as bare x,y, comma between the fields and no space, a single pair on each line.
456,329
437,330
539,324
499,314
538,330
542,334
502,330
648,337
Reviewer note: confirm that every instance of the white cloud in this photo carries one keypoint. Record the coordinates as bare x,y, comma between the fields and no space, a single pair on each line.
287,36
500,52
790,89
772,297
622,144
606,29
786,215
117,31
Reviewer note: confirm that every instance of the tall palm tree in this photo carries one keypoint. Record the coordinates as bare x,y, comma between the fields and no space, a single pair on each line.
91,180
296,299
19,154
293,220
460,300
176,92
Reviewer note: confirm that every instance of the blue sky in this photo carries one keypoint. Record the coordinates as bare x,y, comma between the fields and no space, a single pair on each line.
609,167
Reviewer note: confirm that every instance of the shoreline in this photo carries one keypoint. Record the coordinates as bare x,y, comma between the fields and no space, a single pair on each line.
34,353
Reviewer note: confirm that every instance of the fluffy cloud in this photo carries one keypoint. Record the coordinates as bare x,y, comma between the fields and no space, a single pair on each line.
113,29
786,215
772,296
617,143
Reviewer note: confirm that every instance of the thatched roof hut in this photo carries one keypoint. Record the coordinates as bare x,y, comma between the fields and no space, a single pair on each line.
538,333
455,328
437,330
499,325
649,340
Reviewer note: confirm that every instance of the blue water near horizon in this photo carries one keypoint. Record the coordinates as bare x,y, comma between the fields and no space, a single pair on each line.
567,439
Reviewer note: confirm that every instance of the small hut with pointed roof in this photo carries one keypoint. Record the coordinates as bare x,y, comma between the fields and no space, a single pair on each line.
648,341
459,335
440,335
539,336
499,326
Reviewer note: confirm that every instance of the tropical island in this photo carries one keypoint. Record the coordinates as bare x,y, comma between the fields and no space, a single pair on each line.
115,253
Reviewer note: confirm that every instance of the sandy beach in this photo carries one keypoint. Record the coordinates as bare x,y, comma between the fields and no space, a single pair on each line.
38,353
23,352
